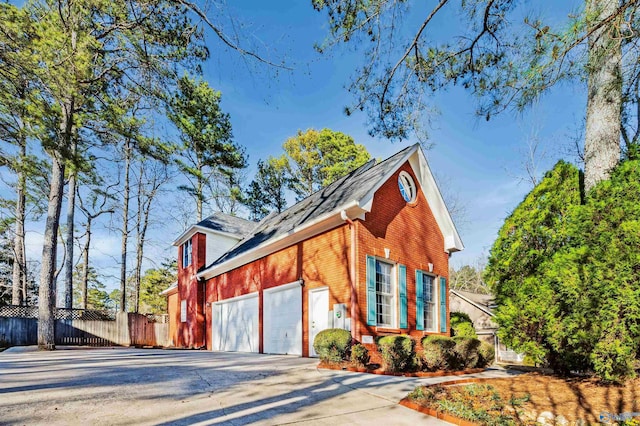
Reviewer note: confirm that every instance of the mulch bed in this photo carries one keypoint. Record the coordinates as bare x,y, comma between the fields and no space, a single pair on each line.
377,369
578,400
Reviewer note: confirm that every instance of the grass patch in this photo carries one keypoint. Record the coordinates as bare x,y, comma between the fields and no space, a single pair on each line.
479,403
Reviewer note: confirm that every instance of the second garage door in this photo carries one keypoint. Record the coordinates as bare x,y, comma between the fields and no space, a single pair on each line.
282,316
235,324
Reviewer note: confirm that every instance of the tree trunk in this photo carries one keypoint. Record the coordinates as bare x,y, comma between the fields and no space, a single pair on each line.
137,273
19,295
47,292
146,207
68,275
604,84
199,197
125,227
85,260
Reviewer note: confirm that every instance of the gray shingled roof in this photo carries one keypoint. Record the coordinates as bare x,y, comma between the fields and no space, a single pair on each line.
223,222
487,301
351,187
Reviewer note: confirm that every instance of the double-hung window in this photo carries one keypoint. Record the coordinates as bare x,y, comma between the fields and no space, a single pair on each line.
429,302
385,295
186,253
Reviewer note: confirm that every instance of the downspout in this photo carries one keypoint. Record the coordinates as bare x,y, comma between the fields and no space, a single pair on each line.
352,272
203,282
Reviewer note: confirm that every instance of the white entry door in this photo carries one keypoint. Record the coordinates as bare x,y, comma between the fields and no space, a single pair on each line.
318,315
235,324
282,316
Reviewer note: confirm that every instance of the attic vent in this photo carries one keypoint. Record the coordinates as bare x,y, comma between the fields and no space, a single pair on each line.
407,187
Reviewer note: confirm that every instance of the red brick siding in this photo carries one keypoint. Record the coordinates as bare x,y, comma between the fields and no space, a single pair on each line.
409,231
190,334
414,239
320,261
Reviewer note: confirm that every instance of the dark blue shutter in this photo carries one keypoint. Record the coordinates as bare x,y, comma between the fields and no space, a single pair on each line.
443,305
371,291
419,302
402,281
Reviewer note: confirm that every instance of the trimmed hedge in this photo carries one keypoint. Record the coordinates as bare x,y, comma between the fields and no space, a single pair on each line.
438,353
487,354
464,329
457,317
466,350
397,352
461,325
333,345
360,355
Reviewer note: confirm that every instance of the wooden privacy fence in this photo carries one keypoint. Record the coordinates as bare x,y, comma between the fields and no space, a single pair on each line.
19,327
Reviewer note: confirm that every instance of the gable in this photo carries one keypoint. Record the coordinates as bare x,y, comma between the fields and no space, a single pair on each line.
421,172
352,196
390,213
219,225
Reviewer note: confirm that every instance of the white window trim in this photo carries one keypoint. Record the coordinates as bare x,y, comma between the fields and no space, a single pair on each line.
235,298
183,310
436,304
297,283
187,253
406,182
394,295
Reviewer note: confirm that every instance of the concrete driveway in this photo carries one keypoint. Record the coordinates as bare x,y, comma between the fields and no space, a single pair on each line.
130,386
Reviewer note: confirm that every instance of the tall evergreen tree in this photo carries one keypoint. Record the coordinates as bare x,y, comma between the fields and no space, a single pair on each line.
82,48
96,297
154,281
18,121
267,191
207,145
565,273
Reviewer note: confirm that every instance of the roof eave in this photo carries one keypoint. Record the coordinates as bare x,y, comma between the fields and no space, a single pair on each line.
173,288
195,228
477,305
297,234
431,191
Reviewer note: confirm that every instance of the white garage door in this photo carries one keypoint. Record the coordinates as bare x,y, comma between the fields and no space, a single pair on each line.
283,320
235,324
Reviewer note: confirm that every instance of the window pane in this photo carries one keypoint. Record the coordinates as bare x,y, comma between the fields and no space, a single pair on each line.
186,253
429,302
384,294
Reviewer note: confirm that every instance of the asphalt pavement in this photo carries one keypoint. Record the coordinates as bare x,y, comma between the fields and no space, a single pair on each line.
123,386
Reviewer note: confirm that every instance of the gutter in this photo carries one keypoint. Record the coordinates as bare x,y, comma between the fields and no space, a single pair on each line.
352,272
273,245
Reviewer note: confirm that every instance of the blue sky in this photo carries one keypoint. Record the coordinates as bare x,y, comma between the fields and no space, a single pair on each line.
478,161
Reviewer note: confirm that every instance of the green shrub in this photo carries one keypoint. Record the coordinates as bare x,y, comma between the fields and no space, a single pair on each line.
464,329
466,350
397,352
417,363
612,358
359,355
332,345
486,355
438,353
456,317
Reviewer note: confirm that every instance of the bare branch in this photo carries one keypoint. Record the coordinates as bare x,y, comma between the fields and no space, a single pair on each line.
194,8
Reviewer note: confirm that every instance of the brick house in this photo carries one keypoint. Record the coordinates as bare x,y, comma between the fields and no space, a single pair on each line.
368,253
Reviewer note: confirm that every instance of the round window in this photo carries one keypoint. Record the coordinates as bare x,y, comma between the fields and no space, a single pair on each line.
407,187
